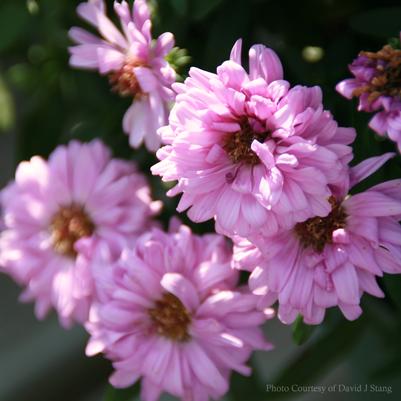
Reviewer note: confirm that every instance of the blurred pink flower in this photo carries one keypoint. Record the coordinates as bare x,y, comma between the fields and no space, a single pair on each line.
330,261
170,313
376,83
134,63
56,212
248,150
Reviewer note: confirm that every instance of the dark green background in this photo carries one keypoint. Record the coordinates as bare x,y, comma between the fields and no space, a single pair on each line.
43,103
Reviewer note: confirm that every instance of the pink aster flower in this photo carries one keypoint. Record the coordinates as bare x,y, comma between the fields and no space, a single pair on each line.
376,83
56,213
248,150
171,314
388,122
134,63
329,261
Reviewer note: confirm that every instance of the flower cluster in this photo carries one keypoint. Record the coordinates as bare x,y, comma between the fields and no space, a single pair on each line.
329,261
272,168
376,82
79,236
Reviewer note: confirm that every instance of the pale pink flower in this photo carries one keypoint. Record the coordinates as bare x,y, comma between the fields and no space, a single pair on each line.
330,261
134,63
56,212
376,83
248,150
170,313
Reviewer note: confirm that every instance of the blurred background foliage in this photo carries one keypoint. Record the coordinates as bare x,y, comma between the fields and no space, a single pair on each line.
44,103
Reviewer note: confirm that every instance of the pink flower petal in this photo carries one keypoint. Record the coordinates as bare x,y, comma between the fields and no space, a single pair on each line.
182,288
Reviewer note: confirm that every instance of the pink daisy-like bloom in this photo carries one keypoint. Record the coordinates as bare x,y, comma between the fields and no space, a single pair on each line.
55,214
248,150
388,123
170,312
376,83
330,261
134,63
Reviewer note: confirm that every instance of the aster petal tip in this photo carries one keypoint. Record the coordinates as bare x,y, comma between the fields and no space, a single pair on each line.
236,52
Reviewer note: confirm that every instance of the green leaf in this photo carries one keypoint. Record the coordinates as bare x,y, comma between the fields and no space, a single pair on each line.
301,332
395,43
178,59
391,368
14,23
316,359
393,287
201,8
7,112
22,76
126,394
246,388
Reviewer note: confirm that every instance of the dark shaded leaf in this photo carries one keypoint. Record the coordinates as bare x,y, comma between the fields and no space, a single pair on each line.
393,287
14,23
391,368
126,394
246,388
315,360
381,22
22,76
201,8
301,332
180,6
395,43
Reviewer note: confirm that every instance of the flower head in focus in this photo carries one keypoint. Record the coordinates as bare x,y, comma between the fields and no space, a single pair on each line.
249,150
377,85
55,214
170,313
329,261
134,63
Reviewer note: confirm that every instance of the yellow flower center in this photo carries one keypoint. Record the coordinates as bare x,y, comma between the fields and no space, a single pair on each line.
238,144
68,225
171,318
316,232
124,81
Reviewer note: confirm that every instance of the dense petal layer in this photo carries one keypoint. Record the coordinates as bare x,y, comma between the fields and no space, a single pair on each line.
249,151
57,213
172,314
329,261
